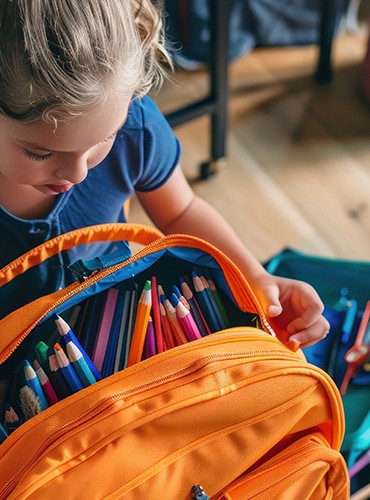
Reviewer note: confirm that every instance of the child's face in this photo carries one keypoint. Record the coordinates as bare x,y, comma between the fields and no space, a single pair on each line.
52,161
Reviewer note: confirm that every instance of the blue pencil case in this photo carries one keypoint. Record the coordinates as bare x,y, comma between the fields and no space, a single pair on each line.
344,287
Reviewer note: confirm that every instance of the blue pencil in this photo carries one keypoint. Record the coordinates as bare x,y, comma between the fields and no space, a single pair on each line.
67,369
79,364
212,300
3,433
33,383
67,335
205,304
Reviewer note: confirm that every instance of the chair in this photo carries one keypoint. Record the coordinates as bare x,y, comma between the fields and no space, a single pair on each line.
216,103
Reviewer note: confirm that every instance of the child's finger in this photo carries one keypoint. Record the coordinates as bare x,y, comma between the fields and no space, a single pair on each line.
315,332
311,315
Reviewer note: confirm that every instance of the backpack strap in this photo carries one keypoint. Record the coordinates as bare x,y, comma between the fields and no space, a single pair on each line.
136,233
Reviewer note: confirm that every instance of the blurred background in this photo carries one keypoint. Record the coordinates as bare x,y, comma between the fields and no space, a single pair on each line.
297,169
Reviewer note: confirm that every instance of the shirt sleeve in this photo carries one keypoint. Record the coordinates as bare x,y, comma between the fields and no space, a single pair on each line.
160,149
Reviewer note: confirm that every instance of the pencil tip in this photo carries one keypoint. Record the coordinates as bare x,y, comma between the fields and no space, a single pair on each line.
62,325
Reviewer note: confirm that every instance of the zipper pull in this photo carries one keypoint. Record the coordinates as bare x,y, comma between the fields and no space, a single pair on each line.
198,493
82,269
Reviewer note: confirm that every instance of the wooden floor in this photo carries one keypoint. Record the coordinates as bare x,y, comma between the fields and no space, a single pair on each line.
298,166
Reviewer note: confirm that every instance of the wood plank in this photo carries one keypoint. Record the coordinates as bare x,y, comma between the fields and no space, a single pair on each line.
298,166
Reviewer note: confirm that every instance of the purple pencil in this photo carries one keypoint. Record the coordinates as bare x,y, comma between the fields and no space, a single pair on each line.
360,464
194,308
150,348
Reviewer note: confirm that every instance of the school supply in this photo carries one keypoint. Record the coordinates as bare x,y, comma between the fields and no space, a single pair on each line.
11,418
34,383
67,369
79,364
3,433
29,402
344,287
67,335
141,325
235,414
46,385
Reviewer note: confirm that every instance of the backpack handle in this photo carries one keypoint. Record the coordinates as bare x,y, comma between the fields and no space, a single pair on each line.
136,233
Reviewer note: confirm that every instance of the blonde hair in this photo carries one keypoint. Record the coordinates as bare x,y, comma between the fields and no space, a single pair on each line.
60,57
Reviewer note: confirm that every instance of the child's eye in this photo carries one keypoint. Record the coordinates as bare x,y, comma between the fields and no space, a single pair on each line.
36,157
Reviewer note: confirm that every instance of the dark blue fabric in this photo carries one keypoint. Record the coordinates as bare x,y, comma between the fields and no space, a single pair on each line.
252,23
142,158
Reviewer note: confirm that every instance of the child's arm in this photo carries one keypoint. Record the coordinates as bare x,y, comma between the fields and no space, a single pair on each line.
175,208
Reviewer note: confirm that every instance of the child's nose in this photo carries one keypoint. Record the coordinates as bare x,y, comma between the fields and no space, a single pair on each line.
74,170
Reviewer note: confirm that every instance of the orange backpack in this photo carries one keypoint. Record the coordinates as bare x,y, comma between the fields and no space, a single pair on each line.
233,415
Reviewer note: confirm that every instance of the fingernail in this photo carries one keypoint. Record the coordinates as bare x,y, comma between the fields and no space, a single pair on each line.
274,309
293,344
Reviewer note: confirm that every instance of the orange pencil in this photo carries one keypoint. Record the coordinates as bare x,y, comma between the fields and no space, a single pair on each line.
177,331
141,325
166,328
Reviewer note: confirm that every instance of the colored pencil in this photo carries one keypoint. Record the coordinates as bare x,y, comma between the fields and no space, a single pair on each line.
46,385
67,369
219,303
103,332
141,325
11,419
150,347
194,308
156,316
59,383
79,364
220,321
41,349
180,296
177,331
122,331
166,328
33,382
68,335
130,328
204,303
360,464
3,433
185,319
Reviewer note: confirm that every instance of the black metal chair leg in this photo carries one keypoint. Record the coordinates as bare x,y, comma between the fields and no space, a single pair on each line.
219,64
324,72
216,103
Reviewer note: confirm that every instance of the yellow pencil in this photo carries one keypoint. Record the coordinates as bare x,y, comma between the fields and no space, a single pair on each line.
141,325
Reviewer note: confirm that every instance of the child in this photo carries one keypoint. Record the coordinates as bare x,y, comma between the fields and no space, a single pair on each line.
78,137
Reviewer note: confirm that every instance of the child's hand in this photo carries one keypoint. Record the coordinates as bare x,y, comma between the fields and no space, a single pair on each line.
293,309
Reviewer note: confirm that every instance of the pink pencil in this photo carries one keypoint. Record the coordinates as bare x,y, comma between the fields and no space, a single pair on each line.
48,389
185,319
194,308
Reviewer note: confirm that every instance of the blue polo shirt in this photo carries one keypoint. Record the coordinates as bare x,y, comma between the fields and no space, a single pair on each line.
144,155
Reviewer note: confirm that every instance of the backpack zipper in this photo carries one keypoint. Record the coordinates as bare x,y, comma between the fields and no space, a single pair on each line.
239,282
